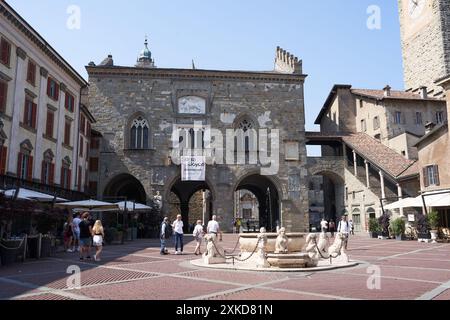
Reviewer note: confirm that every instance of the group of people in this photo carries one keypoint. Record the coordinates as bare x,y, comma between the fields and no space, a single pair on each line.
176,230
81,234
345,227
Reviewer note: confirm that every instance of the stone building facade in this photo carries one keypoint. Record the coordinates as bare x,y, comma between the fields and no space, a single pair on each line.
138,108
40,107
425,30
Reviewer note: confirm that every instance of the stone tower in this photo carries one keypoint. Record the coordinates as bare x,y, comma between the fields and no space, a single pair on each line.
425,31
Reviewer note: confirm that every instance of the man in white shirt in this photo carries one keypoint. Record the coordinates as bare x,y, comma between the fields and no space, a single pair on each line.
324,226
178,231
344,228
213,226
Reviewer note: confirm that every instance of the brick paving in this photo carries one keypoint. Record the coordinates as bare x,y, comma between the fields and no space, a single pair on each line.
136,271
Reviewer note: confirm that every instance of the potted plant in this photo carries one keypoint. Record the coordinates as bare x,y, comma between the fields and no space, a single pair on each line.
120,236
398,228
374,228
384,222
433,222
110,235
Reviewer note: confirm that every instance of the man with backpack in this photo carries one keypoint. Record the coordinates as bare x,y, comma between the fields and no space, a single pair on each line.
166,233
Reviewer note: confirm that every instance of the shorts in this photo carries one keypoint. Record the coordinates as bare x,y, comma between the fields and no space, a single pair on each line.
85,242
76,235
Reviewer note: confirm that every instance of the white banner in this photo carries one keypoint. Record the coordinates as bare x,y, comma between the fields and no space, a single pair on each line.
193,168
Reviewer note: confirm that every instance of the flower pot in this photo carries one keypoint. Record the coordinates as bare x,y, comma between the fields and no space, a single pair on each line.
399,237
374,235
434,236
9,252
46,247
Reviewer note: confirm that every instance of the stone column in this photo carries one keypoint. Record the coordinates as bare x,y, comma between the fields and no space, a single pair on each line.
355,163
19,102
400,196
41,122
344,153
367,173
383,192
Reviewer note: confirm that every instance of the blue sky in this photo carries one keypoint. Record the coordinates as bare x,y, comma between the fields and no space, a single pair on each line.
330,36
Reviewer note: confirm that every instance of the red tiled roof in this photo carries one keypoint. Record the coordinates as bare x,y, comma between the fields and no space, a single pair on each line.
382,156
379,94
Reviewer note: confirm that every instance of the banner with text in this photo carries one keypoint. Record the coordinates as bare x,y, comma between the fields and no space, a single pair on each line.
193,168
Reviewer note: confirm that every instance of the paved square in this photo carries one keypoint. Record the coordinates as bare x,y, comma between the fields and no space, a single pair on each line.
136,271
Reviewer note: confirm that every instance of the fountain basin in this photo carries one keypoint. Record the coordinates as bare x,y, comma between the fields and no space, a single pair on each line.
248,242
288,260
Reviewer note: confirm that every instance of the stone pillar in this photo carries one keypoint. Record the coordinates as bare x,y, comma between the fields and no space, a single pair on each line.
41,122
383,192
344,153
367,173
184,208
19,102
400,196
355,163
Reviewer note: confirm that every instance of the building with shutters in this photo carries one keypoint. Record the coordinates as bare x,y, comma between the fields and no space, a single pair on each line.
44,128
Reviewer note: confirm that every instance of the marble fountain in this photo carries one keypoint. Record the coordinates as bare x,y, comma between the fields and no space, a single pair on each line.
278,252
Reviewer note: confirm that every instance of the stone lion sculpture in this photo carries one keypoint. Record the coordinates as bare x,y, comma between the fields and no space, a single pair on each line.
337,249
281,245
214,253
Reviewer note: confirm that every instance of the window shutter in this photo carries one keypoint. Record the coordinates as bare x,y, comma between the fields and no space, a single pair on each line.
33,114
6,52
19,165
3,94
69,179
51,178
81,146
49,127
436,173
425,177
43,172
30,168
80,177
3,154
49,87
56,91
62,177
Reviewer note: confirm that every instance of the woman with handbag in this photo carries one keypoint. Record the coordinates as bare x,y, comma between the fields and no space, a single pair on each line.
98,234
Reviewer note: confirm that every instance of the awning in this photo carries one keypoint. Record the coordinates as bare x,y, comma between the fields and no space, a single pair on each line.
437,198
89,205
26,194
132,206
405,203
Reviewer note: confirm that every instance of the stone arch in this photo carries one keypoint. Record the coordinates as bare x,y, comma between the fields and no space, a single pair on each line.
125,186
333,192
269,203
129,124
185,190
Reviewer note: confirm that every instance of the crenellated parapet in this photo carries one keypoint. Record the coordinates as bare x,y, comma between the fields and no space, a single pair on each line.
286,62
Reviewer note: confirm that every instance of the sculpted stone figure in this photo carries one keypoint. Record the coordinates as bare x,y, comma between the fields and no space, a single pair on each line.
281,245
214,252
337,250
157,199
261,261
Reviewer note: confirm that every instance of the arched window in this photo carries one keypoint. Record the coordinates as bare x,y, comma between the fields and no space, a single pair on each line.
246,140
139,134
48,168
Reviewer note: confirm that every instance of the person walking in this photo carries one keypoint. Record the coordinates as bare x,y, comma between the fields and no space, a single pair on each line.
68,234
178,230
76,232
332,227
98,235
213,227
324,226
166,233
198,236
85,236
344,228
352,228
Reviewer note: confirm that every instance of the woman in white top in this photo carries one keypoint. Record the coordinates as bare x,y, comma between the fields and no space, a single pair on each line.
198,236
98,234
178,231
